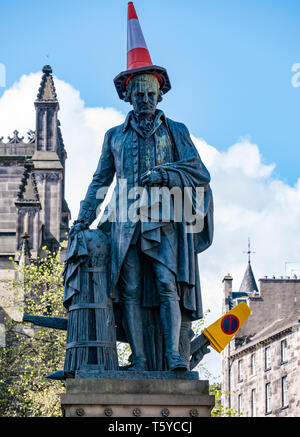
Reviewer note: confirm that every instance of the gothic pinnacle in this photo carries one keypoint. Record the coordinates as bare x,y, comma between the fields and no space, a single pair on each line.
47,89
47,70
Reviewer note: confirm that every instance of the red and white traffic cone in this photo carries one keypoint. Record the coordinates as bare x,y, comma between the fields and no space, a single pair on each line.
138,57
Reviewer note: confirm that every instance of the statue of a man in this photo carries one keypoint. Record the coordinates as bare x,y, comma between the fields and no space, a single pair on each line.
153,263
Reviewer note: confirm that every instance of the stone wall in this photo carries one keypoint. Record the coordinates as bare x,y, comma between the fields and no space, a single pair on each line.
258,379
10,179
8,307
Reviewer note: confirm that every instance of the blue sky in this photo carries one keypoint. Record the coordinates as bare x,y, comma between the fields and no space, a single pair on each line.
229,62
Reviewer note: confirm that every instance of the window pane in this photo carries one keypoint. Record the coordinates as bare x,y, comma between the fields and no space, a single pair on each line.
253,364
283,351
253,402
268,397
240,370
267,358
284,387
240,403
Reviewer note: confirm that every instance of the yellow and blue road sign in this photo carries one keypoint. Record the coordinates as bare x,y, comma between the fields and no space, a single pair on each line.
224,329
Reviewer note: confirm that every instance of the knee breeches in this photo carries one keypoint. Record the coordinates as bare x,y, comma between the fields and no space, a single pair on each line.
131,275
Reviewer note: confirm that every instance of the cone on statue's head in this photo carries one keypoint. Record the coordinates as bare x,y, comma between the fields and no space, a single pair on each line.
138,57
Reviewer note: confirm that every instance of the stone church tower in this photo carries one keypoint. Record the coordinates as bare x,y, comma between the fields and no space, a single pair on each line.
32,184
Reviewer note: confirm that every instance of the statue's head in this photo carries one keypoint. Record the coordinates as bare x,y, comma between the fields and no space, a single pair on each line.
143,93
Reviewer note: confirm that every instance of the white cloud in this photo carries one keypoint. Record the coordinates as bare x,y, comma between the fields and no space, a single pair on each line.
82,129
249,200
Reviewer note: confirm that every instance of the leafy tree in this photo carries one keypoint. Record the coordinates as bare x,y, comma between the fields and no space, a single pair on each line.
32,353
219,409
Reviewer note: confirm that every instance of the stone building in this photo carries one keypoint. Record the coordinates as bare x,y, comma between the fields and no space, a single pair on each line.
32,187
261,365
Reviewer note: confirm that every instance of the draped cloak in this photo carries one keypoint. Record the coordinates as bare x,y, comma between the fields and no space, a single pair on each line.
179,251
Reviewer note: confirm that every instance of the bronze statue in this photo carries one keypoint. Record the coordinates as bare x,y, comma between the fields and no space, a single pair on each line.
151,268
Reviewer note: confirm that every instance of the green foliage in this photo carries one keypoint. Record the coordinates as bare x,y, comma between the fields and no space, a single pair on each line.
124,351
31,352
219,409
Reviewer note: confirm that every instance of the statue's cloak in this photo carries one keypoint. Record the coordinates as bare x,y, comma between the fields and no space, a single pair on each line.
180,249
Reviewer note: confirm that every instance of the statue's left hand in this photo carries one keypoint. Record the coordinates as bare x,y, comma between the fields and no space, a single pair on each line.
77,227
151,178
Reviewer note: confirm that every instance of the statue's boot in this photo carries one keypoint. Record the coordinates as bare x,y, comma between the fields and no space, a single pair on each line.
133,325
171,322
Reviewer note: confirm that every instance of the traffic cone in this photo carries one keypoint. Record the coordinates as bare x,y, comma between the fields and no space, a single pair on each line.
138,57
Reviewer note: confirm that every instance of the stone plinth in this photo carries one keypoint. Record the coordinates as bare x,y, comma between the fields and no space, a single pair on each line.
101,397
95,371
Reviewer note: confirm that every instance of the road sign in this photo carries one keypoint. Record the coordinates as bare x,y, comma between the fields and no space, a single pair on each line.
224,329
230,324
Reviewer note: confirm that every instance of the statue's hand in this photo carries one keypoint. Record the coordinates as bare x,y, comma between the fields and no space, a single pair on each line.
151,177
77,227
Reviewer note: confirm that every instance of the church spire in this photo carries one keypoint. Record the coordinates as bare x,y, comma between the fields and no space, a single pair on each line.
47,91
47,106
49,164
248,284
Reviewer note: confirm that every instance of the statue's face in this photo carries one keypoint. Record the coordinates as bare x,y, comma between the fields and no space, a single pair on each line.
144,94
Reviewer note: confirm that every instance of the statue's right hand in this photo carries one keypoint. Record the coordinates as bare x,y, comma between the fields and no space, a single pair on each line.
77,227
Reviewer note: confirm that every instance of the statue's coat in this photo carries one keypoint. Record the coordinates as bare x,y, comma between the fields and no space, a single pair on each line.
119,157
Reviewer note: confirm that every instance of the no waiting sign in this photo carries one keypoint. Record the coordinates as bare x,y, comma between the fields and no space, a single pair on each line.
230,324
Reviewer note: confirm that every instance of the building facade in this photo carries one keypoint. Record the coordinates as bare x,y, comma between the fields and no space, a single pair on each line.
261,365
32,188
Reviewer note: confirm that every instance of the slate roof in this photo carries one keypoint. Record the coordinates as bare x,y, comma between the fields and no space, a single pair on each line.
248,284
273,329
